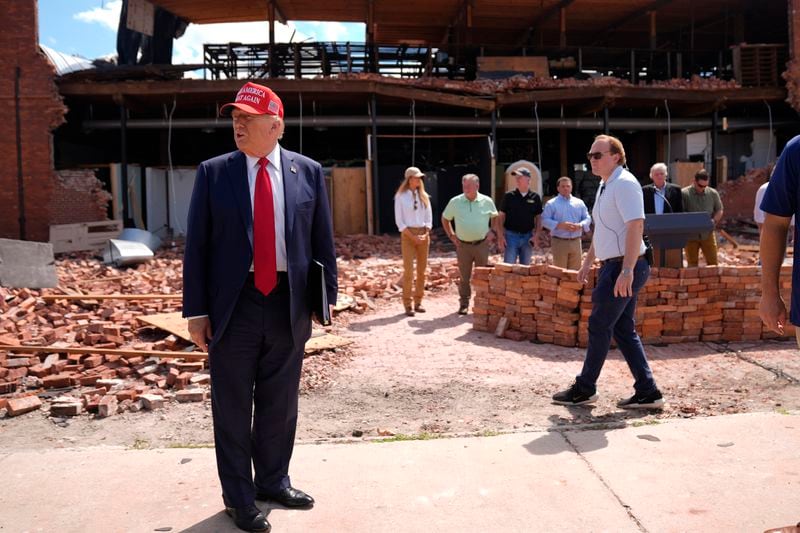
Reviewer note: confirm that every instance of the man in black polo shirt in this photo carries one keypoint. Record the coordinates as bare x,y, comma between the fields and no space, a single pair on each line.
519,216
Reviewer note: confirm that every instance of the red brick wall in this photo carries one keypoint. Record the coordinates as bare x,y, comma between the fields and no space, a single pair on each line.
78,196
41,110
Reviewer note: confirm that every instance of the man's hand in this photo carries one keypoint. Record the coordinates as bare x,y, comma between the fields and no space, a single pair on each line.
583,273
501,243
623,288
200,332
773,313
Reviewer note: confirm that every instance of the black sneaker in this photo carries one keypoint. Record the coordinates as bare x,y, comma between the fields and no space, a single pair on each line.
654,400
574,396
462,310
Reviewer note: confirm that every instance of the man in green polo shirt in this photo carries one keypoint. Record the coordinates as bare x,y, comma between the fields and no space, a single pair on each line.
472,213
699,197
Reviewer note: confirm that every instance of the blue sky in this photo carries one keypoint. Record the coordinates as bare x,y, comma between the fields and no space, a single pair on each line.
88,28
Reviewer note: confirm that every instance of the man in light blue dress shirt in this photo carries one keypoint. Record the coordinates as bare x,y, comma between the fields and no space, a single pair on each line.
567,218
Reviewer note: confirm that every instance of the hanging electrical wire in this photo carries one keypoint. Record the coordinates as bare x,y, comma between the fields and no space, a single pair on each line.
538,138
413,133
300,97
669,132
769,144
170,182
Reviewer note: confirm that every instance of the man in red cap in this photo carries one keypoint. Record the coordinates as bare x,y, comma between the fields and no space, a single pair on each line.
258,218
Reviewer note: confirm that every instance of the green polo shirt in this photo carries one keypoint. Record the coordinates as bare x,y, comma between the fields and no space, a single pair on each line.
707,202
471,218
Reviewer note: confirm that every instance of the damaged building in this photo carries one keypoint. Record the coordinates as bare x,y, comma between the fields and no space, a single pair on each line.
450,86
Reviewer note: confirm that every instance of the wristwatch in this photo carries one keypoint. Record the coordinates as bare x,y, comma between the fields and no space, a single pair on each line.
626,272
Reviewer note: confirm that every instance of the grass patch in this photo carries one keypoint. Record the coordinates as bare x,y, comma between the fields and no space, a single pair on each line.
191,445
782,411
401,437
640,423
140,444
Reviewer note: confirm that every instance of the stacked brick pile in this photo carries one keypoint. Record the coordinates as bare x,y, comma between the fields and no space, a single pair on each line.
545,303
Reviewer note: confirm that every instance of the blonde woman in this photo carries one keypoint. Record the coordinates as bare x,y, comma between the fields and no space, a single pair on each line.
414,219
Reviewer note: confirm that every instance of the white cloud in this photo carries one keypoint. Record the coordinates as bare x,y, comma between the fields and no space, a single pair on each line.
52,40
189,48
329,31
107,16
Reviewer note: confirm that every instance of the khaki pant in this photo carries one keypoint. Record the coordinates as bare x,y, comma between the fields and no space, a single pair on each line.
566,252
414,249
467,255
709,247
673,258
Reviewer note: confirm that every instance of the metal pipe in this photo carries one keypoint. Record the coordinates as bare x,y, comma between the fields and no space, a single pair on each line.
645,124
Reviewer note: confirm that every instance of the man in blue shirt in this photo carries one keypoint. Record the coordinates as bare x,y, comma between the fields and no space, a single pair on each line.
567,218
780,203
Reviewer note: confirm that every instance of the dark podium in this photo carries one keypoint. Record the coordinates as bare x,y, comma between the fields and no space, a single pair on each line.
671,230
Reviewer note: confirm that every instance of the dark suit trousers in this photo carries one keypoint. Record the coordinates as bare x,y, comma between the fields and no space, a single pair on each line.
255,375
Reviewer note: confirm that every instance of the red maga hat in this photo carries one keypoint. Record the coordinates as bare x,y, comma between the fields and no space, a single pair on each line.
256,99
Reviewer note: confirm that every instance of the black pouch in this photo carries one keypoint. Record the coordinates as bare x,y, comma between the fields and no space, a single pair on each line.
648,250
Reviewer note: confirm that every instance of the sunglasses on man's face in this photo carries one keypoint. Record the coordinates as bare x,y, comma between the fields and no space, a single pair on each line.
595,155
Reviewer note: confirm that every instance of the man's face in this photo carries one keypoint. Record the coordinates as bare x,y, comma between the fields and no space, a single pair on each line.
659,177
607,161
523,181
255,135
470,189
565,188
700,185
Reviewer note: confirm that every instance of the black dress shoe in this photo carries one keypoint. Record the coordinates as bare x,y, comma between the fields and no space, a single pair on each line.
288,497
248,518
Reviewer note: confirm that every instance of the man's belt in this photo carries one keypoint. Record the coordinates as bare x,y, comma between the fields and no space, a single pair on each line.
471,242
617,259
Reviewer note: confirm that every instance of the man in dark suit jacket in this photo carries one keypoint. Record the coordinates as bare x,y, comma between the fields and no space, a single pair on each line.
257,218
663,197
655,193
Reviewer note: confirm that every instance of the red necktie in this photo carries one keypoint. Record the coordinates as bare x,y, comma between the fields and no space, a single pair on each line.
266,275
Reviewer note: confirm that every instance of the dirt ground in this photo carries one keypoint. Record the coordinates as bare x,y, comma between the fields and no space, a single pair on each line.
432,374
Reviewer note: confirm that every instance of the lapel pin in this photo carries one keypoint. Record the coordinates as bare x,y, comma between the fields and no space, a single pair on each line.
293,169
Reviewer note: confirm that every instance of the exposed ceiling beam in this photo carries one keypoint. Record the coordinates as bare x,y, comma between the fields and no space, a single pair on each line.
541,17
593,106
627,19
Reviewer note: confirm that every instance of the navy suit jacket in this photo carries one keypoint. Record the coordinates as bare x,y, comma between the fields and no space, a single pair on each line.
671,191
219,238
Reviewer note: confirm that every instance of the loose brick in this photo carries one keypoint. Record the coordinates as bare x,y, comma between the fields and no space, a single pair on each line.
152,401
191,395
20,406
107,406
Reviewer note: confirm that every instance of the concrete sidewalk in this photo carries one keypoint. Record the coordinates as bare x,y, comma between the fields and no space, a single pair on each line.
731,473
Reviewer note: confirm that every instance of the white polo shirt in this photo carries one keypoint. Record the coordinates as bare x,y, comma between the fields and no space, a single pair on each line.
619,200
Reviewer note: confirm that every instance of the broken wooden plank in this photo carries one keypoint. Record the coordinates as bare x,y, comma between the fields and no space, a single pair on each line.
171,322
177,325
51,297
325,342
729,237
190,356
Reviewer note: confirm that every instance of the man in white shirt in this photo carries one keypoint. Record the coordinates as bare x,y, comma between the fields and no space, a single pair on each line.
617,242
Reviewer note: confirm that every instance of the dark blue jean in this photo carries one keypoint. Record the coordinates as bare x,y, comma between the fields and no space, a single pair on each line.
518,245
613,315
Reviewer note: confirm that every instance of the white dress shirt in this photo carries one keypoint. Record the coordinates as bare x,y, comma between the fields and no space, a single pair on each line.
405,216
278,201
